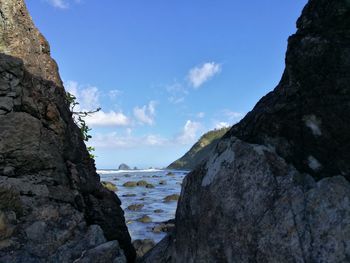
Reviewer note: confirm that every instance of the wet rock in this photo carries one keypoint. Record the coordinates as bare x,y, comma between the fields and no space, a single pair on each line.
142,183
110,186
130,184
6,229
36,231
149,186
143,246
164,227
170,174
162,182
145,219
158,211
129,195
9,171
107,252
170,198
127,175
135,207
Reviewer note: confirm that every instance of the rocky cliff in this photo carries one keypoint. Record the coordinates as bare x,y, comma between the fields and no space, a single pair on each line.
199,151
276,188
52,205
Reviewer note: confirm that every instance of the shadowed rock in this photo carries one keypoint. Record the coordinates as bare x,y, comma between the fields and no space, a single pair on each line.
52,204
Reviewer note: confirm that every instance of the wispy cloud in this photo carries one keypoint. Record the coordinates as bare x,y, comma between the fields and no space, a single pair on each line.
233,116
146,113
177,92
61,4
114,93
197,76
200,115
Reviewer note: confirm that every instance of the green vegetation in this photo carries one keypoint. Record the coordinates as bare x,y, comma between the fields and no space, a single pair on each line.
78,117
199,151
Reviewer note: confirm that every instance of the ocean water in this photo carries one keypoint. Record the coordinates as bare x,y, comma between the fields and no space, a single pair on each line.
151,198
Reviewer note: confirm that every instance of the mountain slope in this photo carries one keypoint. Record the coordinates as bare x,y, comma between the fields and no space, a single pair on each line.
199,151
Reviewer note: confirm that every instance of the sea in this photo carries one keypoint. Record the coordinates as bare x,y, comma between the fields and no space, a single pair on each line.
165,182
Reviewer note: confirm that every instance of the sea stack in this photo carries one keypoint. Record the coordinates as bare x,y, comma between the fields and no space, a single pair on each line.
276,188
53,207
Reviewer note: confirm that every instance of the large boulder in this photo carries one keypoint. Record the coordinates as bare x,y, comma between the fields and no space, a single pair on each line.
52,204
276,187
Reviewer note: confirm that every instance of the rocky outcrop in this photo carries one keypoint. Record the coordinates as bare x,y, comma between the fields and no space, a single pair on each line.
276,188
124,166
200,151
53,207
306,118
20,38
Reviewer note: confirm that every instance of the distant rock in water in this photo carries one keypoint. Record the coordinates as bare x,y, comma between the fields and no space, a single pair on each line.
199,151
276,187
123,166
53,207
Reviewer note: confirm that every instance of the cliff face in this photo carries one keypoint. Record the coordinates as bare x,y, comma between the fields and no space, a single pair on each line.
199,151
276,188
52,205
20,38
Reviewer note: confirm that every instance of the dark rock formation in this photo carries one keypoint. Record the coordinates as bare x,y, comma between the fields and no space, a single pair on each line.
52,205
200,151
276,188
124,166
306,119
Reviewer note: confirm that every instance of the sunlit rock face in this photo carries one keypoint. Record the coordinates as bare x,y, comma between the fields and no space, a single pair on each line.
20,38
52,205
276,188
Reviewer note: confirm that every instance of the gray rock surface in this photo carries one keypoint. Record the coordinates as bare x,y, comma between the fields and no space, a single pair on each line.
248,205
52,204
276,187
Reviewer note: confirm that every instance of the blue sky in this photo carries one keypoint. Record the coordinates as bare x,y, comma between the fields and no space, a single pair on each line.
165,72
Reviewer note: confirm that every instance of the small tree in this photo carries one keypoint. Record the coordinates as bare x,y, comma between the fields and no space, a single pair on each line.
78,117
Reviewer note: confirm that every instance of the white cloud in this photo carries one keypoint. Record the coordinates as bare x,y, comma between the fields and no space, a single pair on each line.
115,140
146,113
189,133
222,124
61,4
199,75
104,119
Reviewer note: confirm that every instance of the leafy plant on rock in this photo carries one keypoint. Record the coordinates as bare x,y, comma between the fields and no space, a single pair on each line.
78,117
